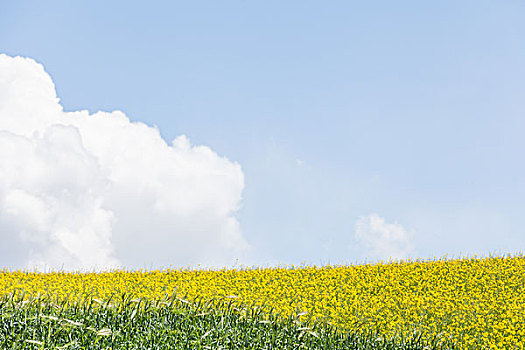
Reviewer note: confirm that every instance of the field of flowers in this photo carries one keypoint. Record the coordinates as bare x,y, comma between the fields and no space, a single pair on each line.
474,303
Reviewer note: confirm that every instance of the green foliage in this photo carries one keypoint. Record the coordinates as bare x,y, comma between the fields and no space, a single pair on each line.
41,323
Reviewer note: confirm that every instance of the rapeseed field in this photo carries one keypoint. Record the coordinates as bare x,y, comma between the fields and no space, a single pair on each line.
465,303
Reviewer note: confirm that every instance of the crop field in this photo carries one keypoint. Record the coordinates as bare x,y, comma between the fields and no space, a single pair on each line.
467,303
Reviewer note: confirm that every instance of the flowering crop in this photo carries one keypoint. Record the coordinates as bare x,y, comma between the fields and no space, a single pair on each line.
472,302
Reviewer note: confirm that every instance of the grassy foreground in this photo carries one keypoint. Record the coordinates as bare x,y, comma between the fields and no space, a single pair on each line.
468,303
169,324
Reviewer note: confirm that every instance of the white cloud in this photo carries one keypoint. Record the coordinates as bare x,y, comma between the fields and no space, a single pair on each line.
380,240
82,191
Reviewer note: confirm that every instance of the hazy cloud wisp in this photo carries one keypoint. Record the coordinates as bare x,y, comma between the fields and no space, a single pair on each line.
382,241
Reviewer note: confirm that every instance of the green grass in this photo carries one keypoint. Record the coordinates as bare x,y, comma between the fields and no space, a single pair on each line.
39,323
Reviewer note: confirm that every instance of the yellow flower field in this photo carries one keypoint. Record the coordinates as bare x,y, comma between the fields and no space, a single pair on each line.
475,302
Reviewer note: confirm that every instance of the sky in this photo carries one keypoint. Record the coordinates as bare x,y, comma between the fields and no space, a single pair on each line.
236,133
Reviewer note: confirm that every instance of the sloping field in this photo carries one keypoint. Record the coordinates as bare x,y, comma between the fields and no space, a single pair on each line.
473,303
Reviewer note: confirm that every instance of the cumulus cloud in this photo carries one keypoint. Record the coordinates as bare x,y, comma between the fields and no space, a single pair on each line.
381,240
81,191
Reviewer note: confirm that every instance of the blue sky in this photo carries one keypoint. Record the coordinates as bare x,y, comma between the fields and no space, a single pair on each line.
335,111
